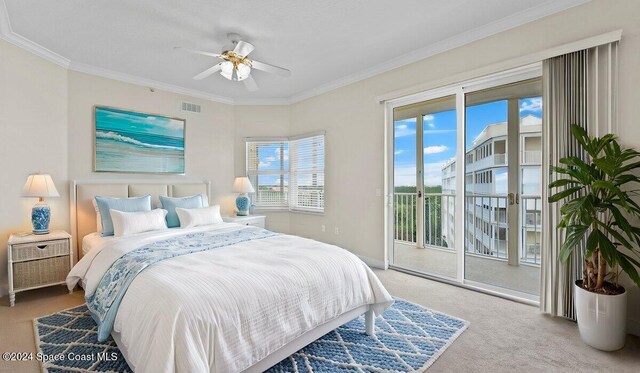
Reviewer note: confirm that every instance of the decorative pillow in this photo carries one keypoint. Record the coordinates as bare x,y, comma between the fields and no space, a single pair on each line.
126,223
170,204
190,218
105,204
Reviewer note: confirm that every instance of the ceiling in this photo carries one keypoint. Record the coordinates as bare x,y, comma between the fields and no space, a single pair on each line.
326,44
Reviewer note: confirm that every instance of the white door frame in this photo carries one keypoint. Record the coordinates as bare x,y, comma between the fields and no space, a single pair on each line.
459,90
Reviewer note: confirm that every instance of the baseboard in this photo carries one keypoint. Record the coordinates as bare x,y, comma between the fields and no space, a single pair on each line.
374,263
633,327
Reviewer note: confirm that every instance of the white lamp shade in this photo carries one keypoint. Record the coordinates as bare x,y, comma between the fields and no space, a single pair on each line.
39,185
243,185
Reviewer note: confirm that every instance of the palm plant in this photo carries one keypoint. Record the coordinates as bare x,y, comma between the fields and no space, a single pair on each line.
597,208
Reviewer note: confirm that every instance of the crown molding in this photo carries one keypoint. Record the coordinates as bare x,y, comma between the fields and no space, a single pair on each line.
122,77
7,34
540,11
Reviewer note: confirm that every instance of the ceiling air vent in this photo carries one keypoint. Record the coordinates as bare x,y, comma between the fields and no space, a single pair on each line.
187,106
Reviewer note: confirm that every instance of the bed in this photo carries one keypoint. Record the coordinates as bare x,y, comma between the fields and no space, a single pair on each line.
243,306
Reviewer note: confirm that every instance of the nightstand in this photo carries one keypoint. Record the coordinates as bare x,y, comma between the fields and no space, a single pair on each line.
37,261
254,220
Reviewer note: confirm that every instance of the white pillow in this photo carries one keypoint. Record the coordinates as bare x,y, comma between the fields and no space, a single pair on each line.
126,223
190,218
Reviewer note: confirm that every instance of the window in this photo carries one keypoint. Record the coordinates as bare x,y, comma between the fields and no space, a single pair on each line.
288,173
268,170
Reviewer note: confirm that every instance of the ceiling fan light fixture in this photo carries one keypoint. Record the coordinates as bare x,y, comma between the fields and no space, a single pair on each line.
227,67
243,71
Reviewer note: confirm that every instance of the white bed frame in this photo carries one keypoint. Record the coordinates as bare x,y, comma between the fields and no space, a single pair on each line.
83,221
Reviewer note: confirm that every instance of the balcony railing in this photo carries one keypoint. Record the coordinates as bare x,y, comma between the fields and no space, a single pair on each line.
486,162
531,157
311,198
531,215
486,229
405,216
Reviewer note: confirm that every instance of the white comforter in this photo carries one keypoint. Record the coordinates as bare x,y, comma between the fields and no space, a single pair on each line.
225,309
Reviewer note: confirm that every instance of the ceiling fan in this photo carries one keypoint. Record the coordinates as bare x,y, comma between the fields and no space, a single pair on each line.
236,66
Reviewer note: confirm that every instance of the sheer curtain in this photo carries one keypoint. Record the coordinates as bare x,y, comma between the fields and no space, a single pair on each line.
580,88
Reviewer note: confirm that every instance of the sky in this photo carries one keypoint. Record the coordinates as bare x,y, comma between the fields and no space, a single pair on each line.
440,138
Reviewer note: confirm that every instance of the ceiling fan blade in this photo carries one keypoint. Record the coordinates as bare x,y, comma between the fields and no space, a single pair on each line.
250,84
270,68
209,71
243,48
198,52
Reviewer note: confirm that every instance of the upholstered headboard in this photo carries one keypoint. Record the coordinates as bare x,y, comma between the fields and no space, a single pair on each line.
83,214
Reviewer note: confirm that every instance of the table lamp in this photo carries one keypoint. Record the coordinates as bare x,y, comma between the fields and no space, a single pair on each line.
243,186
40,185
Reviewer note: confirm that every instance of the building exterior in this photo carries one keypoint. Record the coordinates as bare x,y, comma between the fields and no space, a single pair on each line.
486,171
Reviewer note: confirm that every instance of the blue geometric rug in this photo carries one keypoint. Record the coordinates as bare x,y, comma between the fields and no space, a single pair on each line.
408,338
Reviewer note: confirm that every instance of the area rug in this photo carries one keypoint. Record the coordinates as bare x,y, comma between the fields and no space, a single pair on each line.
408,338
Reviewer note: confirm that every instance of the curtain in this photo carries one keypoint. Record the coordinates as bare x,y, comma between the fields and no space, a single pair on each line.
578,88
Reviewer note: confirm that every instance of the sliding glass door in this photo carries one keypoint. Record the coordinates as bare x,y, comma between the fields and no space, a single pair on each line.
502,184
424,186
466,184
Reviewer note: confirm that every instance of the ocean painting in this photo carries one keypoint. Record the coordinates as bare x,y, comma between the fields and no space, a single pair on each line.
127,141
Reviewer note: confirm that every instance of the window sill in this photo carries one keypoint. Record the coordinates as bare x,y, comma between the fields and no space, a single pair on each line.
286,209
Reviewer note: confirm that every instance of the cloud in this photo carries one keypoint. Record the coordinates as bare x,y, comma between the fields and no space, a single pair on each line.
263,164
435,149
406,175
436,132
429,120
531,104
402,130
433,173
285,154
398,152
269,159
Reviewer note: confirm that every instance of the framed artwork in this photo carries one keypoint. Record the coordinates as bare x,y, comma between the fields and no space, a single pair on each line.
127,141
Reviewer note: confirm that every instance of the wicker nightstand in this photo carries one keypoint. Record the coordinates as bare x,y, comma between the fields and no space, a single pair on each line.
36,261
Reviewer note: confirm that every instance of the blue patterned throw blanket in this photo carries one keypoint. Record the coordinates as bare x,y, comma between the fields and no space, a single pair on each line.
105,301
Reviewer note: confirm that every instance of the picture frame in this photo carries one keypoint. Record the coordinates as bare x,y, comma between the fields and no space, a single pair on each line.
127,141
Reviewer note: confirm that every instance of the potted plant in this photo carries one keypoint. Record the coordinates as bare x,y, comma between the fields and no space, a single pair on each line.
595,216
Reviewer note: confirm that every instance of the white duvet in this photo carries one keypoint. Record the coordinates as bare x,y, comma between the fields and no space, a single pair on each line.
225,309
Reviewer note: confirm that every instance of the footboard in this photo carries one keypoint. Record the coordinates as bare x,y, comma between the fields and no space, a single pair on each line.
313,335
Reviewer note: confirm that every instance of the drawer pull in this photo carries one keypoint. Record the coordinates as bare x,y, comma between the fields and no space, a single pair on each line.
41,247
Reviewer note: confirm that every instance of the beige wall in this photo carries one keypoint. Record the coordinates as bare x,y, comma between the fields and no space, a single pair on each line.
33,138
354,121
209,134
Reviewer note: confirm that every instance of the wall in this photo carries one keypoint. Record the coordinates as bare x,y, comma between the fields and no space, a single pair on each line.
209,134
354,121
257,121
33,121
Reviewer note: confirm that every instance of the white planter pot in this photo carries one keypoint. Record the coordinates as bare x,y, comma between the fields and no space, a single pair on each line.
602,319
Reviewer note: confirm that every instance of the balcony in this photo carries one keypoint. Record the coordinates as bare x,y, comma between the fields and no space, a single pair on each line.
495,160
487,261
531,157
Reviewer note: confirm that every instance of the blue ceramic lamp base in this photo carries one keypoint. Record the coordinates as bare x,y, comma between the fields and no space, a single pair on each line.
40,218
242,204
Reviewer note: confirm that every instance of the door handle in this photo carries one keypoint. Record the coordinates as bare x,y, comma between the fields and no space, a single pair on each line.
517,198
511,199
419,194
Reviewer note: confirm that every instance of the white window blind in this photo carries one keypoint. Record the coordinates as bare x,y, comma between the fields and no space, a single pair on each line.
307,173
287,173
268,170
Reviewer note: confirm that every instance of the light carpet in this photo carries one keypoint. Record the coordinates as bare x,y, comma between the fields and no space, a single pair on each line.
408,338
